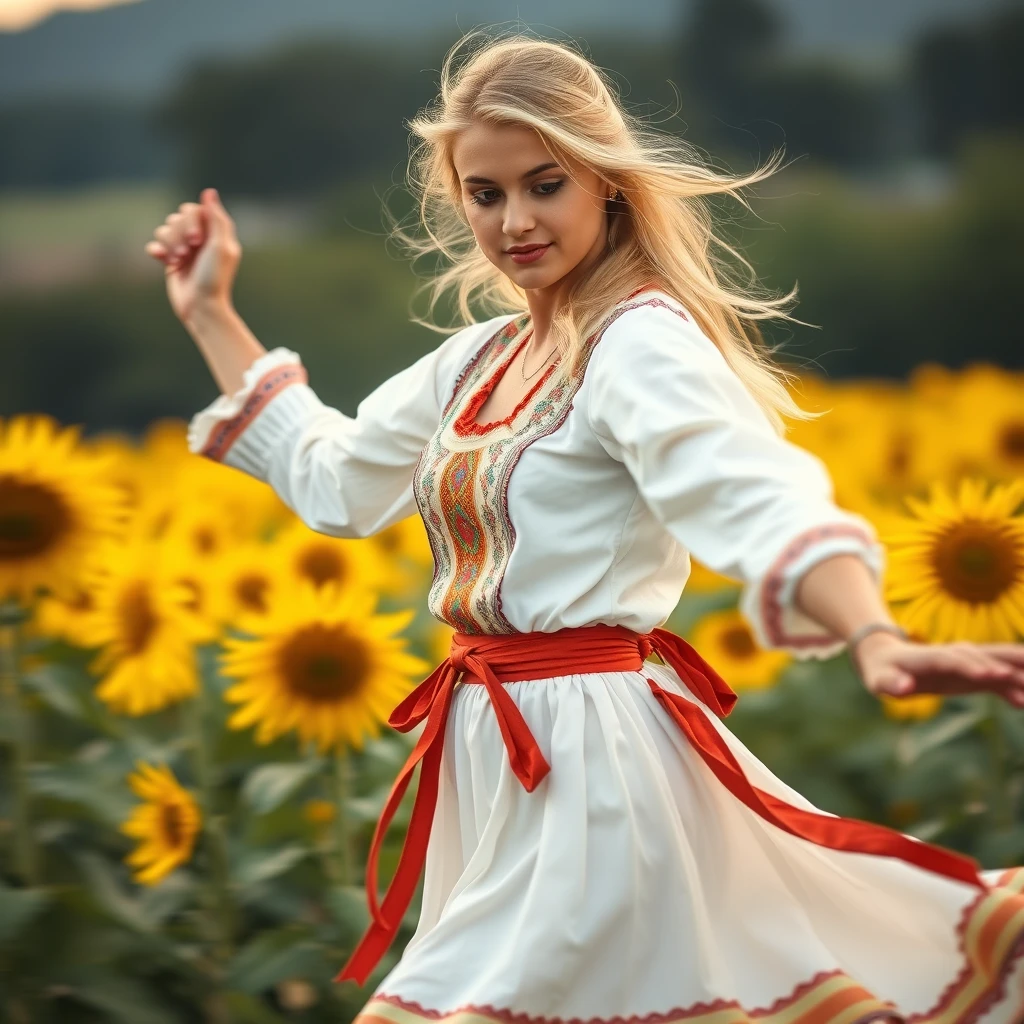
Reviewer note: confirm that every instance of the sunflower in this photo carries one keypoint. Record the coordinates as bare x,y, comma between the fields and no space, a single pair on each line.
324,666
147,631
317,558
55,505
989,417
249,579
406,559
167,824
198,576
67,617
959,565
724,639
917,706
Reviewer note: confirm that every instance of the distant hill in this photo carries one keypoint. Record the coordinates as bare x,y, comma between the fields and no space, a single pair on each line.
138,50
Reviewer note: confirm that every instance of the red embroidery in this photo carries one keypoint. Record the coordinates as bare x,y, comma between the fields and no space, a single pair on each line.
771,610
271,384
466,425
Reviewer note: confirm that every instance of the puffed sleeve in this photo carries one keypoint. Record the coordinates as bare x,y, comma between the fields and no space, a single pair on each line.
342,475
706,459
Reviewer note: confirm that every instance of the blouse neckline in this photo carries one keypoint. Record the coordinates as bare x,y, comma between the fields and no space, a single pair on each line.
466,423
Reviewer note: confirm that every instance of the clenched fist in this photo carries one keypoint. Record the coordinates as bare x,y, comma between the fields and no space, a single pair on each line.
200,251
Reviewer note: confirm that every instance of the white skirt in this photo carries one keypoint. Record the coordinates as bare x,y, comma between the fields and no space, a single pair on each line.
633,887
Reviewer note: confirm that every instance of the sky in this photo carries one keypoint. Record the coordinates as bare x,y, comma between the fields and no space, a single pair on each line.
18,14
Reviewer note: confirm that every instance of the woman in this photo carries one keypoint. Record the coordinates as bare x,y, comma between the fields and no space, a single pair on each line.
596,844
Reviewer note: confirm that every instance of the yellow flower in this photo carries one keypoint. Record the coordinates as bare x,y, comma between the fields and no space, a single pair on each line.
324,666
166,824
142,621
55,505
916,706
317,558
405,558
989,417
959,565
724,640
250,577
318,812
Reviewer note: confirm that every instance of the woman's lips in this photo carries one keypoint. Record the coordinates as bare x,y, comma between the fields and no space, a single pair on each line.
529,257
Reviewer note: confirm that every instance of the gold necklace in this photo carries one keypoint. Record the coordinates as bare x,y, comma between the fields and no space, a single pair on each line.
522,367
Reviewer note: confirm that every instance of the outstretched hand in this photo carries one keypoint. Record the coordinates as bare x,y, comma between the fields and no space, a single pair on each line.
901,668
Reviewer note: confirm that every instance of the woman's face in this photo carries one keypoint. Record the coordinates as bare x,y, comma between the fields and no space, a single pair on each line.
507,205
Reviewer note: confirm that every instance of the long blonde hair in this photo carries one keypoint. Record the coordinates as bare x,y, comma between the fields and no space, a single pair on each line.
660,233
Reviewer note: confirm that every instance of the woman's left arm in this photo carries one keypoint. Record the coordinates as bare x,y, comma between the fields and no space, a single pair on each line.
841,594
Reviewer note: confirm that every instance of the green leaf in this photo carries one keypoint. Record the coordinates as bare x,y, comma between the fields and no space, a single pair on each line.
347,904
271,957
128,910
81,784
247,1009
254,866
122,998
270,785
54,683
18,907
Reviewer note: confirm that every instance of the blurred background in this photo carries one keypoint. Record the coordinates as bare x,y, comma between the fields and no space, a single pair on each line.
184,814
899,215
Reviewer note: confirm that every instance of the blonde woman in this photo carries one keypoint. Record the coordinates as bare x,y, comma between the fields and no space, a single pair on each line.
597,845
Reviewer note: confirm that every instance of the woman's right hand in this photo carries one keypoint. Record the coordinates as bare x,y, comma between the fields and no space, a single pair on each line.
199,248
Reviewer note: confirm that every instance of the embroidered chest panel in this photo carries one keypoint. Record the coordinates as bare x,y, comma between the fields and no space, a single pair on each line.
461,479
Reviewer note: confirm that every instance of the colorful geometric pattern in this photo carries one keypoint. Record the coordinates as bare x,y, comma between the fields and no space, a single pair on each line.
461,479
268,387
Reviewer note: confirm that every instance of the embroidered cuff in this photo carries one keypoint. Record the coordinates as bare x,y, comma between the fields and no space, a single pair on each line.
769,605
239,429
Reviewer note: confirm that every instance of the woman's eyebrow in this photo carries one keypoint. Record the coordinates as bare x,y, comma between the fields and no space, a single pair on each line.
487,181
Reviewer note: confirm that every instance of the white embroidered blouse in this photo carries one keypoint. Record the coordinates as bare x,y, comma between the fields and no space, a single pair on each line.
584,504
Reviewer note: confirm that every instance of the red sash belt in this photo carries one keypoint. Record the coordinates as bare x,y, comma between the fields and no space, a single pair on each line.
492,660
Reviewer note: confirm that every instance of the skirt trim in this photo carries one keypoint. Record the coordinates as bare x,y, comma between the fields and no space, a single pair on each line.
991,940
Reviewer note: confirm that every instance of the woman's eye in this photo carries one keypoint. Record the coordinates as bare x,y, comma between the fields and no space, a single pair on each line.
551,186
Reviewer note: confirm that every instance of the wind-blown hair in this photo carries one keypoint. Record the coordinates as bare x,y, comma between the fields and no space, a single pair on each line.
660,233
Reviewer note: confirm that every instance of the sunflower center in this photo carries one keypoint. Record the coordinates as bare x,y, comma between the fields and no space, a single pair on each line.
738,642
252,592
32,518
322,564
173,826
899,456
195,602
324,664
976,562
138,619
1011,442
205,540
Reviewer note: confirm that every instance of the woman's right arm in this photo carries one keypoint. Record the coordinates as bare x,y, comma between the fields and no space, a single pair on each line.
346,476
225,342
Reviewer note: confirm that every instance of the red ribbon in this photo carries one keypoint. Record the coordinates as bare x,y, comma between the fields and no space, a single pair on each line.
490,660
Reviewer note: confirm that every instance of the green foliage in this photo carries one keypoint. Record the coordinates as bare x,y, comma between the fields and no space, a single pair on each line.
89,944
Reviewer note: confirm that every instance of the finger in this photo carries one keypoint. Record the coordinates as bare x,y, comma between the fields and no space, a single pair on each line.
193,223
1013,653
157,250
176,224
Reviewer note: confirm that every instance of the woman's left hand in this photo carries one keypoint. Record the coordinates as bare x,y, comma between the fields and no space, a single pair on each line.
901,668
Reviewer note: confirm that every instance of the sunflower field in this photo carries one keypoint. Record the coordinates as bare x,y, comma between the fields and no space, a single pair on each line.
195,687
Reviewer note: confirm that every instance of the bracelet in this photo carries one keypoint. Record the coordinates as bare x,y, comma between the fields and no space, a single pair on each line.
872,627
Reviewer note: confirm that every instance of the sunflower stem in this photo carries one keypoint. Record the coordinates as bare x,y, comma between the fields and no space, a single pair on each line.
1001,799
25,863
342,830
219,894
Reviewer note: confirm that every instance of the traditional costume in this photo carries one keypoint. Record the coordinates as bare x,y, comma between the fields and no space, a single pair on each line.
596,845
